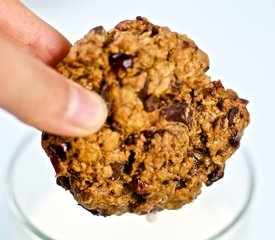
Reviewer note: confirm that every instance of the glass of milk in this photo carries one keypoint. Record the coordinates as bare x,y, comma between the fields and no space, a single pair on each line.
43,210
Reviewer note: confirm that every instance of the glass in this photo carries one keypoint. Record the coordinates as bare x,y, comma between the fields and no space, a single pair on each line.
43,210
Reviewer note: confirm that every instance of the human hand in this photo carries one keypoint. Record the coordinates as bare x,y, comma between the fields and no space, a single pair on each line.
29,88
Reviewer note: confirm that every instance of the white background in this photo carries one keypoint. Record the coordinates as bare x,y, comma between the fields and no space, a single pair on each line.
239,37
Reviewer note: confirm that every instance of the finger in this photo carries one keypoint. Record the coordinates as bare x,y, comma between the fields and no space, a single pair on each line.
41,97
27,30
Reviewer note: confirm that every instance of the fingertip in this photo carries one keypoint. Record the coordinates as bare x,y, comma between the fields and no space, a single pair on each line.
87,111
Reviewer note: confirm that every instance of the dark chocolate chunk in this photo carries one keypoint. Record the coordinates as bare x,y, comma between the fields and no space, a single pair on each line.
151,103
45,136
117,169
166,182
244,101
206,69
63,181
178,112
231,115
203,138
120,61
147,145
154,31
220,104
56,164
59,150
130,140
181,183
143,93
185,44
140,18
97,211
114,126
160,132
204,151
141,167
216,174
234,139
76,154
129,164
147,133
99,30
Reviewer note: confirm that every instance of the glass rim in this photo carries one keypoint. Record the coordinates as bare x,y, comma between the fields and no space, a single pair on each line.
31,228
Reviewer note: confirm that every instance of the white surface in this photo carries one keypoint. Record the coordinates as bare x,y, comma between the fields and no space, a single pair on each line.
239,37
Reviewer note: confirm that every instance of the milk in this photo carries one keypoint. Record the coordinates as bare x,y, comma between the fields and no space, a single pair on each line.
59,216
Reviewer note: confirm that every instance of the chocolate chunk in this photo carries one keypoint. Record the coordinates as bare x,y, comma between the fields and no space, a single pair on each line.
143,93
141,167
120,62
203,138
154,31
231,115
129,164
56,164
220,104
166,182
97,211
204,151
181,184
244,101
130,140
234,139
206,69
185,44
114,126
147,133
147,145
160,132
139,18
63,181
59,150
178,112
99,30
151,103
117,169
45,136
216,174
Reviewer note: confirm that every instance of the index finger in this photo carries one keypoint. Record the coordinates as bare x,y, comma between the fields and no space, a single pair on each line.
28,31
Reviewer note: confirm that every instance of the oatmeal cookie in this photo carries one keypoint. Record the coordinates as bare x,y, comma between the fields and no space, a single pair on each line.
169,129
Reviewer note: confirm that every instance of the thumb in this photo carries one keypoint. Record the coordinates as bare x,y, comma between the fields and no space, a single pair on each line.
41,97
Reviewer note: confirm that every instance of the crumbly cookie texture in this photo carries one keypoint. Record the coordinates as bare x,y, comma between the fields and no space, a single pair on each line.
169,130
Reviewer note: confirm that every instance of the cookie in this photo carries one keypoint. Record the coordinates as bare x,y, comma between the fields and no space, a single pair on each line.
169,129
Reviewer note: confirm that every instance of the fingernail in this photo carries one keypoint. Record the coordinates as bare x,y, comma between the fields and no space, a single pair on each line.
87,110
